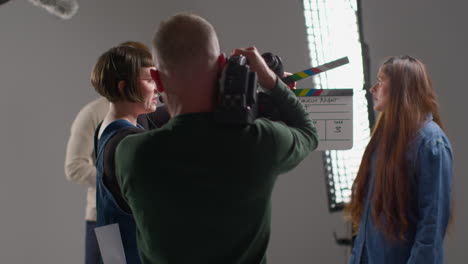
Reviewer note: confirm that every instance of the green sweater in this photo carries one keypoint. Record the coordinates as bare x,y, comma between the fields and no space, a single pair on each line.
200,191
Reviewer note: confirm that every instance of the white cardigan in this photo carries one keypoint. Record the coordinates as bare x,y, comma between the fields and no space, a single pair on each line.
80,158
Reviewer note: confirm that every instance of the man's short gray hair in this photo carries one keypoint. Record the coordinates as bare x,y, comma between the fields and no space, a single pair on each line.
185,39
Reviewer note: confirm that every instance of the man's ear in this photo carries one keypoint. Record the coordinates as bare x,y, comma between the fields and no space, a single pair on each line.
221,61
157,80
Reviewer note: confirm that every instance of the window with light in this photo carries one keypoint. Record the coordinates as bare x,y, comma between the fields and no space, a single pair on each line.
333,32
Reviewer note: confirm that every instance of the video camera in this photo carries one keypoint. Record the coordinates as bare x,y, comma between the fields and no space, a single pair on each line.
239,102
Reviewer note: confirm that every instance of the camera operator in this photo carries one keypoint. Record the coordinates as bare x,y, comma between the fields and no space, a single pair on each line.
200,190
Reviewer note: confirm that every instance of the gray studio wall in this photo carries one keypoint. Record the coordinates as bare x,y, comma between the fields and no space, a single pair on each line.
435,32
44,72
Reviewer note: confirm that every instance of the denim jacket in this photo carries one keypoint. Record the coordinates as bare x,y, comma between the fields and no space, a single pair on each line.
430,163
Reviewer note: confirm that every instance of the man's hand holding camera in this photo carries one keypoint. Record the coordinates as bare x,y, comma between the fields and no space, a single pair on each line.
266,77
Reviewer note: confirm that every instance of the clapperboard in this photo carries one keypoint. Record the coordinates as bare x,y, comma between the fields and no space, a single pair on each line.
332,113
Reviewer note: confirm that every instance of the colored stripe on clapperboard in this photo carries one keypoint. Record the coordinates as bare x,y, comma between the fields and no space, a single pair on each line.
312,71
323,92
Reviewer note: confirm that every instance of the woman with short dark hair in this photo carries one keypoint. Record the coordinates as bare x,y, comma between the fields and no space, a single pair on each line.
122,75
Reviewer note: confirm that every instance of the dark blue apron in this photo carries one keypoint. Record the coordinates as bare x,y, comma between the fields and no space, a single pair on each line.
108,211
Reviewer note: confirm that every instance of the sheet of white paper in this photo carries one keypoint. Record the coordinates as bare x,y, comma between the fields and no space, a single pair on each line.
110,244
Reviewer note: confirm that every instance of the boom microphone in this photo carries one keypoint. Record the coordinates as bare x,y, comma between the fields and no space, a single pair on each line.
64,9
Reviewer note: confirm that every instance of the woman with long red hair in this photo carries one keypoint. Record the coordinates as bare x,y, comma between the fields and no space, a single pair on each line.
401,198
